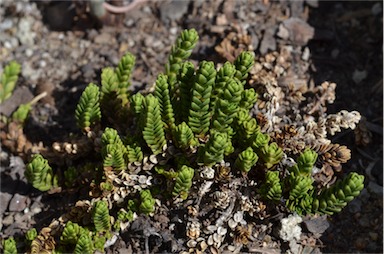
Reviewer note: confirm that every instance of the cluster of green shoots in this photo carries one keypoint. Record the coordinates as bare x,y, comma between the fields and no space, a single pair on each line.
197,117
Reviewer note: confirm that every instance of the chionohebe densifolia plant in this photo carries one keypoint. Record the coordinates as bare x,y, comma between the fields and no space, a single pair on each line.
196,119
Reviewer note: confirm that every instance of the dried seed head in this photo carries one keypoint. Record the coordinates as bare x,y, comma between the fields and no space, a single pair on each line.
223,172
343,119
363,136
207,173
332,155
243,234
193,229
192,211
221,199
246,205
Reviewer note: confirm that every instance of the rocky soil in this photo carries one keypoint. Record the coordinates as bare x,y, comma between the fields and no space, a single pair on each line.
62,48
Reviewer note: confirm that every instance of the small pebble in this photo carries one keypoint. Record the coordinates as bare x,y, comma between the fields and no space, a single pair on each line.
129,22
36,210
317,225
306,54
4,201
8,220
335,53
105,38
7,45
18,203
173,30
359,76
28,52
283,32
147,9
42,64
3,157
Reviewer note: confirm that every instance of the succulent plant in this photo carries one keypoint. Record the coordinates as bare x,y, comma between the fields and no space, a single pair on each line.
196,127
162,94
153,129
271,189
123,73
184,137
305,163
243,64
147,204
213,151
271,154
335,198
183,181
199,114
84,244
71,233
8,80
39,173
180,51
31,234
9,246
246,160
100,216
88,109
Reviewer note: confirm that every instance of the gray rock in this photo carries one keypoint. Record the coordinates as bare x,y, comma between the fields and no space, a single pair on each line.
88,70
36,205
105,38
268,42
300,32
17,167
8,220
20,95
375,189
283,32
173,10
317,225
18,203
4,201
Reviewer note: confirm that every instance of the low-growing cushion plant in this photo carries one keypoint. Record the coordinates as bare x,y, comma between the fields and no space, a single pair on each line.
197,119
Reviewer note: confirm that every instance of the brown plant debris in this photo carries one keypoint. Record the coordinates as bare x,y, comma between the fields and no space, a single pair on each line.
233,44
363,136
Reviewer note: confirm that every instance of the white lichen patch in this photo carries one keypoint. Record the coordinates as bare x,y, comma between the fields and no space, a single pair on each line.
290,228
